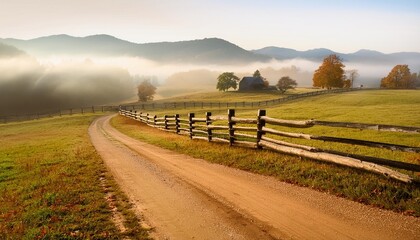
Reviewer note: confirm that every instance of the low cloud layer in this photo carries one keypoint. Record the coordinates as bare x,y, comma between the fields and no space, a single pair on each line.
29,87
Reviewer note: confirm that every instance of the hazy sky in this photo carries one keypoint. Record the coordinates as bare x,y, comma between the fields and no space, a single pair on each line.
341,25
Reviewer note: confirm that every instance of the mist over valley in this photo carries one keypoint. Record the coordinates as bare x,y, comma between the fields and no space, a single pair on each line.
61,71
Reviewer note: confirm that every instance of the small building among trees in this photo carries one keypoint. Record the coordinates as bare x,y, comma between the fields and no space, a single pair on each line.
251,84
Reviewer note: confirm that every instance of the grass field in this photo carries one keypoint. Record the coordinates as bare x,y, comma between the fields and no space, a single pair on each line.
53,185
235,96
373,106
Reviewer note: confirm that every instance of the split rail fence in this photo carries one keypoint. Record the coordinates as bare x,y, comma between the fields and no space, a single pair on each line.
55,113
254,133
227,105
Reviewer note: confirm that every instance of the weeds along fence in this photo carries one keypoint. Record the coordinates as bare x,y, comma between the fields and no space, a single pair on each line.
259,133
227,105
55,113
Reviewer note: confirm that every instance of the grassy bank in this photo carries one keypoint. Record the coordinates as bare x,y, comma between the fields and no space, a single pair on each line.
53,185
391,107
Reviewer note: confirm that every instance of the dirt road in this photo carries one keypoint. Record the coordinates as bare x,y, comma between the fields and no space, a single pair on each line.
187,198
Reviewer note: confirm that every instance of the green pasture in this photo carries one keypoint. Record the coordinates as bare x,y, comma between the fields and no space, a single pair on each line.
235,96
395,107
53,184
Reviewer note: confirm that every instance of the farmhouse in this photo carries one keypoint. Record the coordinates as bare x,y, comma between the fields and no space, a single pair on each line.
251,84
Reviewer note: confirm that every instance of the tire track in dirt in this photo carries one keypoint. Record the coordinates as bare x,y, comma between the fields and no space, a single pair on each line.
183,198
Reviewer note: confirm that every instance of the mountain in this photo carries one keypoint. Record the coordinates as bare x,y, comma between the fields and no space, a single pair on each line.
287,53
363,55
7,51
204,51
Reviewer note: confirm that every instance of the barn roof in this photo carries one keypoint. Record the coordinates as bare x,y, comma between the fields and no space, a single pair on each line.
251,83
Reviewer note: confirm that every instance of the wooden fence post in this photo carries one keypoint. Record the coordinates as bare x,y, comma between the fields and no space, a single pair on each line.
231,113
135,115
260,125
208,122
154,120
191,122
166,121
177,123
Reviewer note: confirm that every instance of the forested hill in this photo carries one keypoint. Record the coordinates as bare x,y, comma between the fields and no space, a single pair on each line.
204,51
363,55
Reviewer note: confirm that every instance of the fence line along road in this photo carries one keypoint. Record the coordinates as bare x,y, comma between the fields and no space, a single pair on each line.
55,113
167,105
227,105
254,133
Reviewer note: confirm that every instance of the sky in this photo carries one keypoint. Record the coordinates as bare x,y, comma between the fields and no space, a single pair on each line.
341,25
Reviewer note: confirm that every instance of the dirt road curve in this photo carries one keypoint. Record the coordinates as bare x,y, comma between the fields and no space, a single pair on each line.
187,198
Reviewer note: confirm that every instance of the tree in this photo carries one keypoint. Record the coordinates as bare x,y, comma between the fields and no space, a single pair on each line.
257,74
352,74
145,91
399,77
227,80
266,83
347,83
286,83
330,74
416,77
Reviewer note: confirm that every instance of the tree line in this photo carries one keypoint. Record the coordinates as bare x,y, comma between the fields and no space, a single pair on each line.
330,74
228,80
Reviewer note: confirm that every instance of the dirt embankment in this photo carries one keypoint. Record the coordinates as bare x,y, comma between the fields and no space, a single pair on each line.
186,198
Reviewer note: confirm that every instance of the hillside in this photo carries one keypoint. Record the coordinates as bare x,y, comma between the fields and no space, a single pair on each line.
204,51
7,51
363,55
201,51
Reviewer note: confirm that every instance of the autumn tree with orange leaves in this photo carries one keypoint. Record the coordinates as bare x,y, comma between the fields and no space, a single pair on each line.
330,74
399,77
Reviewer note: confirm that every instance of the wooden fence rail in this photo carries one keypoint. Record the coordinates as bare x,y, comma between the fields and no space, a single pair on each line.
227,130
227,105
56,113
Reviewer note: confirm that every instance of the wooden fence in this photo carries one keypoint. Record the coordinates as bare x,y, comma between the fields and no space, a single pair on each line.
253,133
227,105
54,113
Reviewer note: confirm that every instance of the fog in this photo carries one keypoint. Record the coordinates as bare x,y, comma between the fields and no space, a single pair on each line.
29,84
26,86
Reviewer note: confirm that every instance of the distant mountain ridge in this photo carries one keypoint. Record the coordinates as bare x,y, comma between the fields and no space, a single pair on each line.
208,50
202,51
318,54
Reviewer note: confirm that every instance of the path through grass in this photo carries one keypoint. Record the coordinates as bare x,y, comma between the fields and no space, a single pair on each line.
379,106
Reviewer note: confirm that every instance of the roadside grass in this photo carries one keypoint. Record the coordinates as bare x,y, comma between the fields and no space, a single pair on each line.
379,106
53,184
